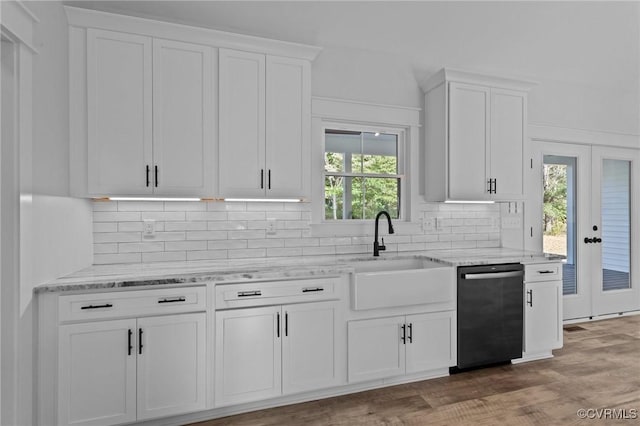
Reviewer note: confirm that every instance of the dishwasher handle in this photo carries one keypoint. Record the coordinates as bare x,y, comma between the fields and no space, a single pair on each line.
492,275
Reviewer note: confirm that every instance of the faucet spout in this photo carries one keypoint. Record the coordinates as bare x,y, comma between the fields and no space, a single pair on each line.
377,247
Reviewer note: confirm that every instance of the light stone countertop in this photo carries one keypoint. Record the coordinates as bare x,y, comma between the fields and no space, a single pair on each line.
194,272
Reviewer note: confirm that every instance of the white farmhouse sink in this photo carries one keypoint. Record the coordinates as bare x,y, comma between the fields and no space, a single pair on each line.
393,283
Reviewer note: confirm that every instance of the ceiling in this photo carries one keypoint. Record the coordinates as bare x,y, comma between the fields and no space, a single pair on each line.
588,43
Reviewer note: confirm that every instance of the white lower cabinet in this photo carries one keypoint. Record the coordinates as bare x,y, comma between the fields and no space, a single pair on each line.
270,351
120,371
542,317
393,346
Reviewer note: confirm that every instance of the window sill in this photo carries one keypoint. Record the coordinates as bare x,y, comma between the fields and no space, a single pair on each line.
358,228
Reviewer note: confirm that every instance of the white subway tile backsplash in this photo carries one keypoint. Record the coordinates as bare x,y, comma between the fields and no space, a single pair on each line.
247,253
164,256
164,216
114,216
140,247
234,230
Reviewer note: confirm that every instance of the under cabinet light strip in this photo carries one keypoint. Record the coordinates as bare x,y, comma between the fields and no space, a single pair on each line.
469,202
147,199
265,200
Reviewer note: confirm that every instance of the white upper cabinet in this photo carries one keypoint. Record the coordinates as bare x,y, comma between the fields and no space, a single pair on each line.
265,118
150,116
183,118
119,114
242,124
475,135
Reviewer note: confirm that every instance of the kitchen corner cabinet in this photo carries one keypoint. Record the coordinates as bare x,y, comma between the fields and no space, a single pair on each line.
150,115
265,113
393,346
475,135
271,351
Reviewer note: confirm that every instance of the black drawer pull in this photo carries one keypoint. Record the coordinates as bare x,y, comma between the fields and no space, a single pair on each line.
249,293
130,344
172,300
312,289
546,272
106,305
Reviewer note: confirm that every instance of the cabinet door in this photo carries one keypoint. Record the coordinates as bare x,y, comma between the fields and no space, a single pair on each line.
309,347
183,119
508,118
97,373
431,341
119,113
376,349
468,139
171,365
288,109
542,320
242,124
248,355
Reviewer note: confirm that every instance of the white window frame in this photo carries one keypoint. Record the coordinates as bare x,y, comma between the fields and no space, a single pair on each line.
400,156
328,113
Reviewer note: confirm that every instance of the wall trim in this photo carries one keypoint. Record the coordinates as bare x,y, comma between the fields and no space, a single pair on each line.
364,112
18,22
541,132
80,17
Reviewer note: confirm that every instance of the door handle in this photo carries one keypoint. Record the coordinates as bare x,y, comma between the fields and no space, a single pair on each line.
410,332
140,345
530,298
404,334
277,324
130,345
261,178
147,175
286,324
156,176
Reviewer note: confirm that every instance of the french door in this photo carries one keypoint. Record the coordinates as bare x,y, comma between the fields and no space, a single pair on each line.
590,216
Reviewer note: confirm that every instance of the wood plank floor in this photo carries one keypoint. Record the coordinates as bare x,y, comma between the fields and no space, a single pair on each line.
599,367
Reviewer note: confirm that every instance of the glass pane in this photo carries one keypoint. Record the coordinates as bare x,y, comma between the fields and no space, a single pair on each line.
616,224
340,148
559,215
381,194
333,197
380,153
355,187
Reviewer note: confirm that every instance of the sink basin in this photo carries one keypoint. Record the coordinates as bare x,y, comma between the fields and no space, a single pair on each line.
384,265
403,282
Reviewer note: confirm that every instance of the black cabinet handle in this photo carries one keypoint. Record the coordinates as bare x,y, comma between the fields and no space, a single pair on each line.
129,341
172,300
261,178
495,186
530,298
147,175
249,293
546,272
410,332
278,324
106,305
156,173
140,341
286,324
312,289
404,334
269,179
489,185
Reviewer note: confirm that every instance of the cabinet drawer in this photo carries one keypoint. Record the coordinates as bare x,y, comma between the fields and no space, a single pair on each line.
275,292
81,307
543,272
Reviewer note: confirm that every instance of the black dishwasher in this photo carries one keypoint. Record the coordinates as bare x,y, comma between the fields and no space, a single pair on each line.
490,314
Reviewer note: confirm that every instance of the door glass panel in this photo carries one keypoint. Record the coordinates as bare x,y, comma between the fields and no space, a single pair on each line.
559,215
616,224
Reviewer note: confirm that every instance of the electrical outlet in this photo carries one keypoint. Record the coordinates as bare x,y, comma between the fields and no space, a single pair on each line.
149,227
428,224
439,223
271,227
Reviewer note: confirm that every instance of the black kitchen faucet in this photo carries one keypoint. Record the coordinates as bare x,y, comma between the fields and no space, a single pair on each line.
378,247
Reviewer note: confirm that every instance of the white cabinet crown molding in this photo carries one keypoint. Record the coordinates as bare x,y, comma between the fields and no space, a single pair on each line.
459,76
85,18
18,23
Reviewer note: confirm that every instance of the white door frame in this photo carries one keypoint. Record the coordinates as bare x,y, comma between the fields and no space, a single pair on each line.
588,302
